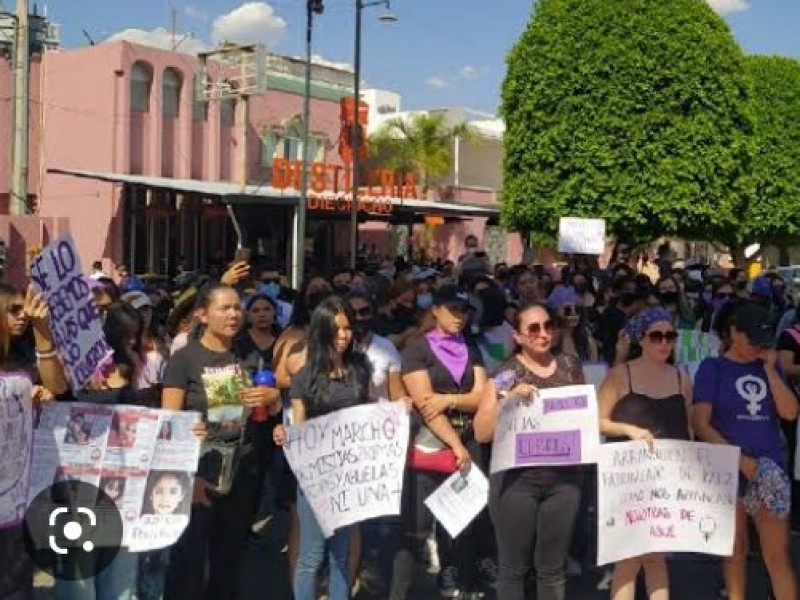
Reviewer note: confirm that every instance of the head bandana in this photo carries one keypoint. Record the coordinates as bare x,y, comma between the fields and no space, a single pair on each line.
562,296
638,326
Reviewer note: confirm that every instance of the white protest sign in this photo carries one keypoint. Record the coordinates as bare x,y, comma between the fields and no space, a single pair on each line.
681,497
16,442
349,463
559,427
581,236
460,499
74,318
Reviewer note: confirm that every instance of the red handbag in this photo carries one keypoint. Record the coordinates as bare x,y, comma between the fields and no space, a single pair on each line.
440,461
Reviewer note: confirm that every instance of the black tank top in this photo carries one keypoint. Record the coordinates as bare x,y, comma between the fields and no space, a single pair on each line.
665,418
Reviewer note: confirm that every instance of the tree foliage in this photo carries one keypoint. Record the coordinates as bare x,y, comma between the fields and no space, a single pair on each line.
773,216
632,110
423,144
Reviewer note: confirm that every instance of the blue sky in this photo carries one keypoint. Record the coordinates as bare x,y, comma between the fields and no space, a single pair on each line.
439,52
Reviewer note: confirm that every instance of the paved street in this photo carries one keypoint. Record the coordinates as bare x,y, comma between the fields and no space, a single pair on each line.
693,578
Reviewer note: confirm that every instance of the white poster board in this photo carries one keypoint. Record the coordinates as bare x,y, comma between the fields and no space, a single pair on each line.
460,499
129,452
16,444
581,236
74,317
349,463
681,497
558,427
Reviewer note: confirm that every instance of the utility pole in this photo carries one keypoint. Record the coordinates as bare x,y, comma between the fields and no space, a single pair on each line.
18,202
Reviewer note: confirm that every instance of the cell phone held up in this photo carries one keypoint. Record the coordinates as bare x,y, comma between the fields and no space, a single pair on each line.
242,255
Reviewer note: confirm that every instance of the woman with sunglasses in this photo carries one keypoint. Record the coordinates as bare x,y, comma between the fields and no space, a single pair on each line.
534,509
445,377
574,337
739,398
722,293
645,399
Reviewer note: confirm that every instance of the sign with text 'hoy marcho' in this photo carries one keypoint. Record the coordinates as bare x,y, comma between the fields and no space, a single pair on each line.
581,236
680,497
74,318
349,464
558,427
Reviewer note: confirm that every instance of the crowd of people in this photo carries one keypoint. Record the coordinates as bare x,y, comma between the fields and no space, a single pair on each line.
453,341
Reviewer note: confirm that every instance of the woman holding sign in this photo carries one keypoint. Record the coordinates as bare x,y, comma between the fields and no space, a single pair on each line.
335,377
534,509
738,400
645,399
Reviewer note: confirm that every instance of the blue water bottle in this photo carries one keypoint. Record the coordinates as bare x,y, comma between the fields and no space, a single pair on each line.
262,378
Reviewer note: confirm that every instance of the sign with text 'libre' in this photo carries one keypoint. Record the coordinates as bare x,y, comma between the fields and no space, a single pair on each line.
558,427
581,236
349,463
679,497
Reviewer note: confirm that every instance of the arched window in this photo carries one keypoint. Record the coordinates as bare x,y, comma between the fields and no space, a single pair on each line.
227,112
171,93
141,82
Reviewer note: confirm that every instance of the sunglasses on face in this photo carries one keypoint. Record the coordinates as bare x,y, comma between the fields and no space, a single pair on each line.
536,329
659,337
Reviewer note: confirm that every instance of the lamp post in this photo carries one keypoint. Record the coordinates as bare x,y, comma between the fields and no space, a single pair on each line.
299,249
355,142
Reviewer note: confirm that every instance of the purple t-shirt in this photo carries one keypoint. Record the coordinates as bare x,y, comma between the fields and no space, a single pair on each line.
743,410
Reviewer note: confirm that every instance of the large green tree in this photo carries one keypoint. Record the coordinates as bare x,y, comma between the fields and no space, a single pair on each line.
423,144
632,110
773,216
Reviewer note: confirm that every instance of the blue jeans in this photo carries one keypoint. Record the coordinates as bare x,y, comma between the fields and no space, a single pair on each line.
312,554
116,582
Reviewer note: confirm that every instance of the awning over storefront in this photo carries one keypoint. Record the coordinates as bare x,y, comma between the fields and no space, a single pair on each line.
232,193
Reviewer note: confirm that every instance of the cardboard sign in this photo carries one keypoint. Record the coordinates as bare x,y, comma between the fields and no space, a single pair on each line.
581,236
558,427
681,497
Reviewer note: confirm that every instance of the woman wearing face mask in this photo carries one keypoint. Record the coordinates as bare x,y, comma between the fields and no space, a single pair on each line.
722,293
739,398
671,297
445,378
495,340
336,376
204,374
646,399
399,321
534,508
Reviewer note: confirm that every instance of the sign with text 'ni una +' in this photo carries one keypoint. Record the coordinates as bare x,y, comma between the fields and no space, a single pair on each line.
349,463
679,497
74,317
581,236
557,427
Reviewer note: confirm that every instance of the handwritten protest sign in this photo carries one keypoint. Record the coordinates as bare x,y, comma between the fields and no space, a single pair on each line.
559,427
143,459
694,346
74,318
581,236
349,464
681,497
16,437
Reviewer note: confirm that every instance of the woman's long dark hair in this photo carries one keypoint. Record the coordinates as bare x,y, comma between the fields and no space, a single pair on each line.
121,322
275,329
322,358
580,337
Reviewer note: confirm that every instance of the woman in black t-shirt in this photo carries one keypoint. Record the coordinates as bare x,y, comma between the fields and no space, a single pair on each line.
533,509
257,341
445,377
208,377
335,377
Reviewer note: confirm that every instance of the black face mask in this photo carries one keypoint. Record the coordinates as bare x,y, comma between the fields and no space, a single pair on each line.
740,285
361,329
342,290
628,299
668,297
404,314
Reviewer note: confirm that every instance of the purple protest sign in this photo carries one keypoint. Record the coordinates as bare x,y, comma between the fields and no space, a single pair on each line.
548,447
568,403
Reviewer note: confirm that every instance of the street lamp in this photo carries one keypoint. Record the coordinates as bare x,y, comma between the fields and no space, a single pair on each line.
387,16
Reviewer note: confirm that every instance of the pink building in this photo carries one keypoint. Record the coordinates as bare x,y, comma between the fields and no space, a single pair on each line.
142,172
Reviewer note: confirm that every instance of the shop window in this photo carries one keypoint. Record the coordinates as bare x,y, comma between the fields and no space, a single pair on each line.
227,112
171,93
141,82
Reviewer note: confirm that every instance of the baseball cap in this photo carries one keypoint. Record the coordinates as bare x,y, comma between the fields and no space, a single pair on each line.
755,322
137,300
451,295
